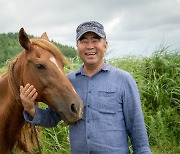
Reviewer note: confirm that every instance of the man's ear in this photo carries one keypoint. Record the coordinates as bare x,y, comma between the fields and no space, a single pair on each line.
105,45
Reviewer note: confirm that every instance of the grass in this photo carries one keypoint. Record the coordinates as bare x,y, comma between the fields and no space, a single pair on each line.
158,80
55,140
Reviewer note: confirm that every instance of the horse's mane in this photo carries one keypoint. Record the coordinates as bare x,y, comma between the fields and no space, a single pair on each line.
26,138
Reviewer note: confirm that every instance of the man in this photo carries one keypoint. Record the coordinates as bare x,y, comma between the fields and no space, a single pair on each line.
112,108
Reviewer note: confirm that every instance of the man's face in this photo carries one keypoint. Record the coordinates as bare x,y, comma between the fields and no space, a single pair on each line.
91,48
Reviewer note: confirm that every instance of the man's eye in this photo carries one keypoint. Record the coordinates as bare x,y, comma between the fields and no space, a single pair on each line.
95,40
40,66
83,41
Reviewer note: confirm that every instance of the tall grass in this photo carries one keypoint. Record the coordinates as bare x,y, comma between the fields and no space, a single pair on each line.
158,80
161,75
161,99
55,140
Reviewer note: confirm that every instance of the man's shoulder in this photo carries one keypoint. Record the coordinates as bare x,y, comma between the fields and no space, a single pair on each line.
121,76
119,72
72,74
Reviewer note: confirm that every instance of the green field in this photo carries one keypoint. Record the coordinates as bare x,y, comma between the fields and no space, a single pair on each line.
158,79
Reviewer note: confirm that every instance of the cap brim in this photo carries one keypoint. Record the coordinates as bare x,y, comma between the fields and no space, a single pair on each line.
101,35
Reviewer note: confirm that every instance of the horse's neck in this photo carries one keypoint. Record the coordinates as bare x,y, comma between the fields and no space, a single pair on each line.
7,99
10,115
4,89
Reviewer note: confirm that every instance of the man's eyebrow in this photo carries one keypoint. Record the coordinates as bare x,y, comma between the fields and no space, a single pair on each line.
97,37
82,37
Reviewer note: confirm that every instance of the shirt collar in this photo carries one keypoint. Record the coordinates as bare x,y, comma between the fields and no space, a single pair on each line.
106,67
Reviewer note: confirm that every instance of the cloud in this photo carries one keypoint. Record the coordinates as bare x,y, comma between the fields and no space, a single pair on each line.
132,26
111,25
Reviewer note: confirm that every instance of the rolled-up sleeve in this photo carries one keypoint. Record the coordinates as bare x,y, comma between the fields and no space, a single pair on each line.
43,117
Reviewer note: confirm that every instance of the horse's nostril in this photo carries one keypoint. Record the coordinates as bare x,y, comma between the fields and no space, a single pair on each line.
73,108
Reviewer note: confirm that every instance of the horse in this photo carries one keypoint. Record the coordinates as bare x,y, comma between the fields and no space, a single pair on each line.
41,64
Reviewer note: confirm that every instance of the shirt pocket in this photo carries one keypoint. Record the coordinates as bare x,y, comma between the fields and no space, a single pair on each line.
108,102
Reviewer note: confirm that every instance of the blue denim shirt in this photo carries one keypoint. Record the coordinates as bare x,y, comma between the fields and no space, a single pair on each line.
112,112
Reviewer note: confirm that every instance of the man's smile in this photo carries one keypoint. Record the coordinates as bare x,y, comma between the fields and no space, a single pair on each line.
90,53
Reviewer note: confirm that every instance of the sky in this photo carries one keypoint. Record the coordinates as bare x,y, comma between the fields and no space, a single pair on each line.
133,27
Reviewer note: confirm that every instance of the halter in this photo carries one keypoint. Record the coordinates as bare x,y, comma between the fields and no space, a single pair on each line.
11,80
16,93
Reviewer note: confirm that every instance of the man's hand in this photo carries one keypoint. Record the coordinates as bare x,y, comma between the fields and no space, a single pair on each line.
28,95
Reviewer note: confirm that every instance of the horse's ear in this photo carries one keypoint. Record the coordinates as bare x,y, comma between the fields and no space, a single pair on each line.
44,36
24,39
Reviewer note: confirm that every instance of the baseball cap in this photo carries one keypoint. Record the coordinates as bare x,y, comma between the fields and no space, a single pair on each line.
90,26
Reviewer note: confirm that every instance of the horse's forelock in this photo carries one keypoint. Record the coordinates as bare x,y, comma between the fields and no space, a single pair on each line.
51,48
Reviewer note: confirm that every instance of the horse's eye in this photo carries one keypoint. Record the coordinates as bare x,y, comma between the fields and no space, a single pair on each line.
40,66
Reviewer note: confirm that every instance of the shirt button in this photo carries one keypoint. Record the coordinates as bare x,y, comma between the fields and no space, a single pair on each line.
88,137
87,121
88,105
89,91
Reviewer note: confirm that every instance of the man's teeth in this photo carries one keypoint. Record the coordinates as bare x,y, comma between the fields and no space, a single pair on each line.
90,54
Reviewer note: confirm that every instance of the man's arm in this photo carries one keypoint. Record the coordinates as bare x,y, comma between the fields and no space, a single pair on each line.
134,118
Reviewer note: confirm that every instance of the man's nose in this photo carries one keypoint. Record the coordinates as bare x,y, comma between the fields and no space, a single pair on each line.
90,45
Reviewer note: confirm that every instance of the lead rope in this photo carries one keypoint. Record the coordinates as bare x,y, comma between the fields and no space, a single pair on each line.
19,101
39,147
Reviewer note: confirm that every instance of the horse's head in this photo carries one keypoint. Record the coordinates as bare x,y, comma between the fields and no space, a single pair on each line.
42,65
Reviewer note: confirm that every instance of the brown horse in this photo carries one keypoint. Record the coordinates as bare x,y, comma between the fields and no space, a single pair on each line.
42,65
